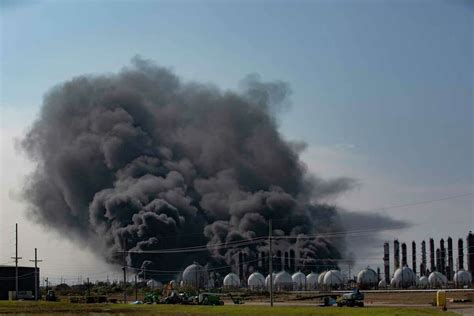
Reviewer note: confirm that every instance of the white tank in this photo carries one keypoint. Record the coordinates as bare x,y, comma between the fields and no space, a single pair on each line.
256,281
299,281
392,283
155,285
404,278
334,279
312,281
232,280
321,278
283,281
423,283
382,284
462,278
267,280
195,275
437,280
367,278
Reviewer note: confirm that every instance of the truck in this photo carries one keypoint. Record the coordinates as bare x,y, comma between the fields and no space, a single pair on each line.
354,298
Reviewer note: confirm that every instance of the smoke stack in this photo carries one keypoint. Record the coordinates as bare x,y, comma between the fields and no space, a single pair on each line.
404,255
396,254
432,256
450,268
386,261
460,254
470,254
438,260
423,258
413,255
443,256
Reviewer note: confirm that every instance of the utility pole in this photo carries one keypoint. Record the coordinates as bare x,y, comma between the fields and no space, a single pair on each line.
136,288
124,274
36,273
16,261
270,254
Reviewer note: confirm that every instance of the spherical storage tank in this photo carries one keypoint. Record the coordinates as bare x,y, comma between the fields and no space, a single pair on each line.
231,280
423,283
283,281
462,278
437,279
367,278
312,281
404,278
153,284
392,283
195,275
321,278
299,281
267,280
256,281
382,284
334,279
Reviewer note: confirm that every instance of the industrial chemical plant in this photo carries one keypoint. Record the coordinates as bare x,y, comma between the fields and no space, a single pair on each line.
436,271
441,267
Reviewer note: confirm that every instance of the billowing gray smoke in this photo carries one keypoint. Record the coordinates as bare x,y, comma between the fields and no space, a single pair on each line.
140,160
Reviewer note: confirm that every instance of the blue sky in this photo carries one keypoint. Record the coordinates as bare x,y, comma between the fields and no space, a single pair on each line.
382,90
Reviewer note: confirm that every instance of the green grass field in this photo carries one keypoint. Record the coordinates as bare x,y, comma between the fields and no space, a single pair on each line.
59,308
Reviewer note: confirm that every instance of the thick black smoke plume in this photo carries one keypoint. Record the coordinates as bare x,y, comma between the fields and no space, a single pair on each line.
140,160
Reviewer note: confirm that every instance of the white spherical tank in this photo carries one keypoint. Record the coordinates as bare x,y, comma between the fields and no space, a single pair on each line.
283,281
404,278
334,279
299,281
423,283
231,280
392,283
155,285
321,278
382,284
367,278
462,278
437,280
312,281
267,280
256,281
195,275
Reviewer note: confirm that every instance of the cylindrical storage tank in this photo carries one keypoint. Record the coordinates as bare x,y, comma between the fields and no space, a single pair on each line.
283,281
195,275
267,280
312,281
231,280
423,283
154,284
334,279
404,278
299,281
321,279
256,281
382,284
437,280
462,278
367,279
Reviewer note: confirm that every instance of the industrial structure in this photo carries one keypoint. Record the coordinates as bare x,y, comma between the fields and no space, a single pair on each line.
27,286
292,274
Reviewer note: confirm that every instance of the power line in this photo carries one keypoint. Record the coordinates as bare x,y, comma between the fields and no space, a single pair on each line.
418,203
257,240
